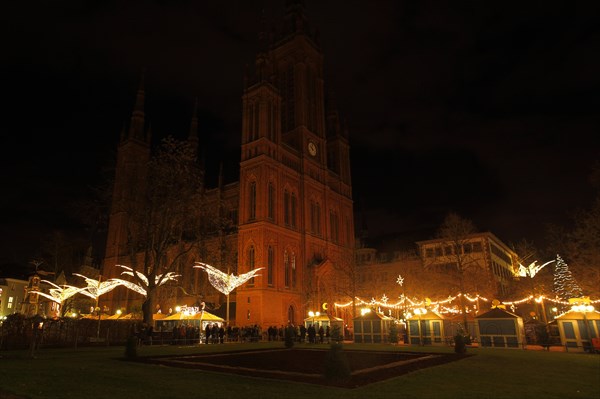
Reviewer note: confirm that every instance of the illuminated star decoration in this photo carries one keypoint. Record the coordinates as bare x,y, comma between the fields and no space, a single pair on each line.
97,288
224,282
59,294
400,280
143,288
532,269
384,299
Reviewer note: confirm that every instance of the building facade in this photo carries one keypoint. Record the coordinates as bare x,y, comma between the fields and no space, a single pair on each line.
292,208
483,255
12,296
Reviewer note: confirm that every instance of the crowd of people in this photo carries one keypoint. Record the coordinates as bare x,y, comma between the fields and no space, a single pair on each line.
218,333
312,334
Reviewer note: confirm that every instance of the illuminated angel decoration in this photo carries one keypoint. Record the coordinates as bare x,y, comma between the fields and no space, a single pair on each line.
224,282
59,294
97,288
532,269
142,288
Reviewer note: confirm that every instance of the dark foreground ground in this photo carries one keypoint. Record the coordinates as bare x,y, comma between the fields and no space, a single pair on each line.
308,365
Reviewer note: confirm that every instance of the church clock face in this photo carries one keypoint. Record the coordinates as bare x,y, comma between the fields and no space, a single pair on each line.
312,148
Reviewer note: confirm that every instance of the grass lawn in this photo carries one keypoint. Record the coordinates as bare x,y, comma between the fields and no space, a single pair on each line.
89,373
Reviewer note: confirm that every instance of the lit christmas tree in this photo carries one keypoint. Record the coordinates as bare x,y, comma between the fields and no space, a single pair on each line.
565,285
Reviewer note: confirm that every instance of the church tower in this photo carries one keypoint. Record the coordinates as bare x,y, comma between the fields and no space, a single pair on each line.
295,201
133,154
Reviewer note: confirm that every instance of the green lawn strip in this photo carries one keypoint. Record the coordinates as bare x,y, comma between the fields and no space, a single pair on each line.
102,373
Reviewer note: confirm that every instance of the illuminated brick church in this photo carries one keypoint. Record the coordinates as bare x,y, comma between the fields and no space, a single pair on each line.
292,206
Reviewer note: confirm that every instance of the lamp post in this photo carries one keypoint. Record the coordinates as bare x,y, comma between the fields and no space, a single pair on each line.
313,315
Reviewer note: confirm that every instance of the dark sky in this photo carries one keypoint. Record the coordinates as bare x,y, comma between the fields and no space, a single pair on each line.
488,109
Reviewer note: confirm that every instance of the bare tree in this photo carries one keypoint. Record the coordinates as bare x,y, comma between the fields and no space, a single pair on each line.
464,270
164,221
583,249
344,279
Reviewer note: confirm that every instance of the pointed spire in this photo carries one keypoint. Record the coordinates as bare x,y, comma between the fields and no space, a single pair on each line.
221,175
262,34
295,19
136,126
193,135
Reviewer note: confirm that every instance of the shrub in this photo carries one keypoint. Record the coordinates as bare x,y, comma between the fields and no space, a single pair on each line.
394,333
337,368
131,347
336,334
459,343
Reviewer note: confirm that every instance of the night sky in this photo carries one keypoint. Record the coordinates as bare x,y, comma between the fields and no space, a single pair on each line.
486,109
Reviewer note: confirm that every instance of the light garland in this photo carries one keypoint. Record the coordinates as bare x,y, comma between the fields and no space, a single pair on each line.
438,306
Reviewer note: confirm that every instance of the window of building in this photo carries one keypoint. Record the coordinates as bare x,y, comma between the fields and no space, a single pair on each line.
286,269
429,252
315,218
10,302
286,208
438,251
448,250
293,265
270,264
477,247
334,226
293,210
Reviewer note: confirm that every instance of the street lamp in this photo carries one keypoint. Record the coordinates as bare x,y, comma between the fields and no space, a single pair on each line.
313,315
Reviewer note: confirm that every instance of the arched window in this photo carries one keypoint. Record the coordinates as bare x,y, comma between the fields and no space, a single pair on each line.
293,210
286,208
270,264
286,269
315,218
293,267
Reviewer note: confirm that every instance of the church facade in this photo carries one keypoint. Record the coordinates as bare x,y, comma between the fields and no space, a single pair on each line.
292,207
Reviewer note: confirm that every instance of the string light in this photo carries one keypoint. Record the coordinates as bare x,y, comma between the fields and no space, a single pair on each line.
440,306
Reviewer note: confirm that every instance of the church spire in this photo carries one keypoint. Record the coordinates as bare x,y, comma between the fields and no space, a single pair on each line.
295,20
136,126
193,135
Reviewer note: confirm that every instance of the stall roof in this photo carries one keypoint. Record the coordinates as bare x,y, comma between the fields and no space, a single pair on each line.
205,316
497,313
373,316
324,317
573,315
